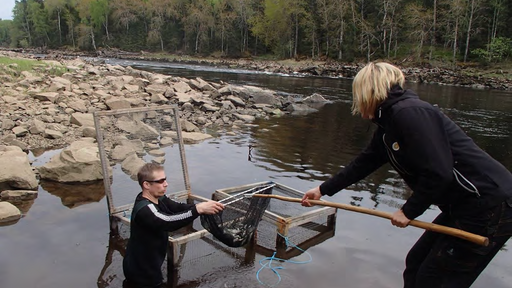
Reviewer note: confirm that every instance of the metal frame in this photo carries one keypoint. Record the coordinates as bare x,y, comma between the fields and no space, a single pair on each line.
104,160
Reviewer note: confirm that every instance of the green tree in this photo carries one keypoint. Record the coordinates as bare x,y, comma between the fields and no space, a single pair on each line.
23,26
5,32
496,51
59,7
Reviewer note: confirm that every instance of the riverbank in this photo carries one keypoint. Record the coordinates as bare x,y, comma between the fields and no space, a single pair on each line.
497,77
49,103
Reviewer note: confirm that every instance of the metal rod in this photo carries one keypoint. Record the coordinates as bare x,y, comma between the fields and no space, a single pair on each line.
244,192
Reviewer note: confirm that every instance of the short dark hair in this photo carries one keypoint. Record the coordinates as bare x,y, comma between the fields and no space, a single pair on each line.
146,172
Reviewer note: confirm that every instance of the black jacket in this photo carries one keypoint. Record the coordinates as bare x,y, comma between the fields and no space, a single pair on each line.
147,246
437,160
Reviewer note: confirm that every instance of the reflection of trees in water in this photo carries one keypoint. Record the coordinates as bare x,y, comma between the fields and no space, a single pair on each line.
316,142
76,194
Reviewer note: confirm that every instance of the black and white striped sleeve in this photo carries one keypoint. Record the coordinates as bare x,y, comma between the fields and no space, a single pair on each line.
150,216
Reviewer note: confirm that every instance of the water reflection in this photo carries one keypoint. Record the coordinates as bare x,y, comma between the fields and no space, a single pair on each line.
76,194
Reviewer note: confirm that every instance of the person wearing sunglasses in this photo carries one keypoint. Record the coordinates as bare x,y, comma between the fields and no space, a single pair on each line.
154,215
442,165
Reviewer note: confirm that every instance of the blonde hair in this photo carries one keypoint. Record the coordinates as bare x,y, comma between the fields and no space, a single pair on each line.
371,86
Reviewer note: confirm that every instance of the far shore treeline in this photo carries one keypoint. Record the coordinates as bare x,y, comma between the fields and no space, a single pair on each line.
443,31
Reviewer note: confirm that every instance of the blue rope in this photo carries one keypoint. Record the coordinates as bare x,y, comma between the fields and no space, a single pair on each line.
269,261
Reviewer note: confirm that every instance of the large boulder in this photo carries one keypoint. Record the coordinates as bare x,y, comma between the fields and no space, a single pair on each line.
79,162
15,170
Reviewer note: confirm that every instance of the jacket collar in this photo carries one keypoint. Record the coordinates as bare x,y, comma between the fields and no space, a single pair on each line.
395,94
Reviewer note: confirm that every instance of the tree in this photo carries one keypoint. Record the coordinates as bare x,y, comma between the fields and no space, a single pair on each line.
419,21
21,22
5,32
59,7
474,7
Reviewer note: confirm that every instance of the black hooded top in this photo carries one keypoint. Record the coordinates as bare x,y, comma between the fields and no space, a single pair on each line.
147,246
437,160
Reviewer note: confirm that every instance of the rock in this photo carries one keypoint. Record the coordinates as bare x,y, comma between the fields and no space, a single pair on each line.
89,132
19,131
236,101
131,165
117,103
245,118
15,170
37,127
79,162
188,137
47,96
156,153
121,152
181,87
8,213
158,160
52,134
300,109
82,119
18,195
137,128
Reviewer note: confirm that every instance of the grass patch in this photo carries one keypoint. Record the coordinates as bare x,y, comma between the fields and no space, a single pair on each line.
14,66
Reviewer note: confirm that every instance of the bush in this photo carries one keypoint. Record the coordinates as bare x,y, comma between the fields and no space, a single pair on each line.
496,51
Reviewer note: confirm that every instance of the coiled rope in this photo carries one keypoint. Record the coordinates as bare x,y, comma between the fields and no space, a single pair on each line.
266,263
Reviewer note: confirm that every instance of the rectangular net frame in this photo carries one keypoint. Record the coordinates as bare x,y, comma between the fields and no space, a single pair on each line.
302,226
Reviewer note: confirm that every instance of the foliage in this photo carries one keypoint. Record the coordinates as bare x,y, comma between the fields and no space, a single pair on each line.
496,51
5,32
318,29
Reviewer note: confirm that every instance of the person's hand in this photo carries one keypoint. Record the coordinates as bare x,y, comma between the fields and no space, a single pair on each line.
313,194
399,219
209,207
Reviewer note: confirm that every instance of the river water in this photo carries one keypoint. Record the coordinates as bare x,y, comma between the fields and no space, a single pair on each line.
63,239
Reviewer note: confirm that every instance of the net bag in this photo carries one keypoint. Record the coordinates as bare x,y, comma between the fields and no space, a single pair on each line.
235,225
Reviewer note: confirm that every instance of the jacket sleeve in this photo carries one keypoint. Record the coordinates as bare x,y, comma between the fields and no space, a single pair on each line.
151,217
365,163
428,151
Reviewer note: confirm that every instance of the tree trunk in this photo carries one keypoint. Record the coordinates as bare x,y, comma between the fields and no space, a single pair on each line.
433,39
92,39
296,35
60,31
455,34
340,48
471,13
197,41
106,27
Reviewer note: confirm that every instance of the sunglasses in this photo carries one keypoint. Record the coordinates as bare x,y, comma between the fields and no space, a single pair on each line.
159,181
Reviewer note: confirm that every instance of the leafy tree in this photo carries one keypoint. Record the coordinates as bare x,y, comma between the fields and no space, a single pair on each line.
21,21
496,51
5,32
59,7
39,18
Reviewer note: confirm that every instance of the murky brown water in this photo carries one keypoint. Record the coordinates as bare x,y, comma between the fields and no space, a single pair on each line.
63,240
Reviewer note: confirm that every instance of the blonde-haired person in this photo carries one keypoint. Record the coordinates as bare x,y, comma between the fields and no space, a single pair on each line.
443,167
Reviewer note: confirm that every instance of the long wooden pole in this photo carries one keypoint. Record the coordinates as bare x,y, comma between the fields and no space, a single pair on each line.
481,240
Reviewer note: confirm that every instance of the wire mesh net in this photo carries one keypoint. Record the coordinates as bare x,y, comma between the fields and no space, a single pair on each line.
236,224
128,138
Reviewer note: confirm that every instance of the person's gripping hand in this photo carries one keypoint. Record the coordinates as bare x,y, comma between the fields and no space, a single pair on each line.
399,219
313,194
209,207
